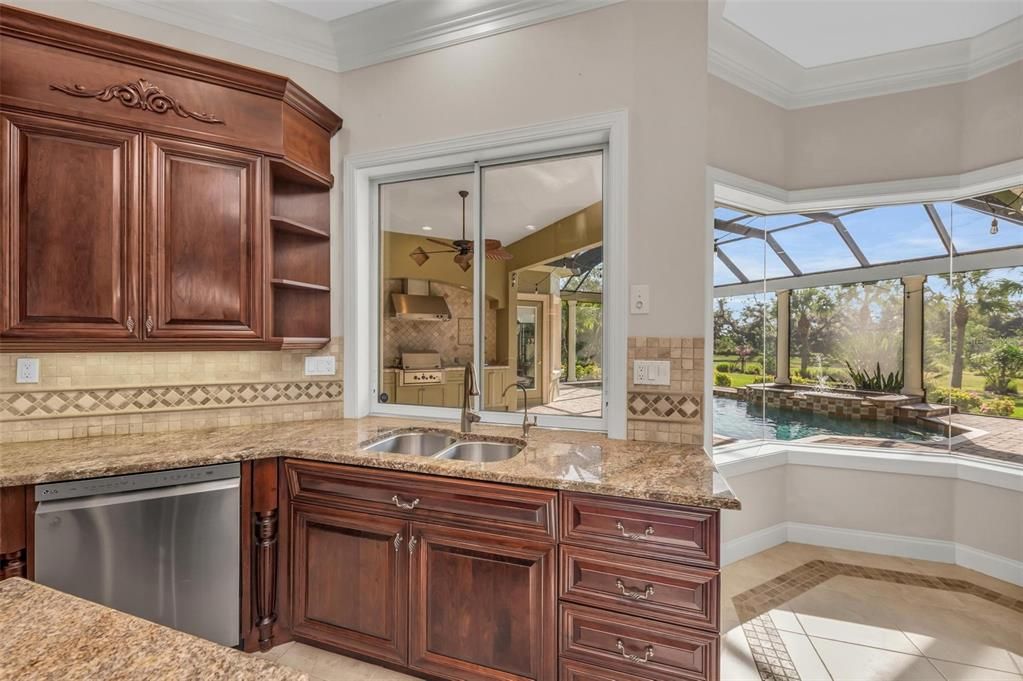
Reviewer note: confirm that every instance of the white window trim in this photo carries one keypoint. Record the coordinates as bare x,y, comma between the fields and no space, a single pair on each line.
363,171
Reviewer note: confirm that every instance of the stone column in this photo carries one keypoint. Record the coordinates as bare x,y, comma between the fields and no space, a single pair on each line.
570,340
781,371
913,335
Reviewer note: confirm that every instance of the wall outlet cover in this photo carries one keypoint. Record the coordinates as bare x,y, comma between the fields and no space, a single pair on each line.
651,372
27,370
639,299
325,365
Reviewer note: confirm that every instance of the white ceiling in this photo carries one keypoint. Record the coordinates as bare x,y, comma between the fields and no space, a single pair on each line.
515,196
826,32
329,10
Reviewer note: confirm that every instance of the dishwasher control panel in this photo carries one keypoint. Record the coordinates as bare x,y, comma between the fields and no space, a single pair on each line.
137,481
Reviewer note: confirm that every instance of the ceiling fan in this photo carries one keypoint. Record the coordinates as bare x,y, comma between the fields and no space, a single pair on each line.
462,248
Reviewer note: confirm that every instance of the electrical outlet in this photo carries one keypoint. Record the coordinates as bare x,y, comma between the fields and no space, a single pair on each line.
324,365
651,372
27,370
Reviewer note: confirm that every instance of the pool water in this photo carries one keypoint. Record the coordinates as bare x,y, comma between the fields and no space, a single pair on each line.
743,421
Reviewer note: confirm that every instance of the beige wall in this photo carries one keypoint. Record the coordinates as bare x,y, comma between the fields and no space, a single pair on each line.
645,56
946,130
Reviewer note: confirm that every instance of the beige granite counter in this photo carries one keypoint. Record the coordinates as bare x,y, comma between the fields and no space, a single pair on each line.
46,634
554,459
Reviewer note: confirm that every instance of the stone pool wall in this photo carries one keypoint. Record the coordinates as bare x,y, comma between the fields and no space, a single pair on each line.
850,406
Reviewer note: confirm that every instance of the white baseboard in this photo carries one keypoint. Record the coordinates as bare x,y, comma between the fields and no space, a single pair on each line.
937,550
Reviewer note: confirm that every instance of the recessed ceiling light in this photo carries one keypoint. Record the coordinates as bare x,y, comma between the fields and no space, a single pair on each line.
531,228
427,228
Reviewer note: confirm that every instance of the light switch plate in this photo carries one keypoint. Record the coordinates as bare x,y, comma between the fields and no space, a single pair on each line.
27,370
324,365
651,372
639,299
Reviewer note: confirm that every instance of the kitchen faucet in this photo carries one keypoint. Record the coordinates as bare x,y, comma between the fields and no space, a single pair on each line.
469,389
526,425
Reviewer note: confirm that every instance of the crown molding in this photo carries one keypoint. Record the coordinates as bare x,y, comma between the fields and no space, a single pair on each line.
408,27
744,61
392,31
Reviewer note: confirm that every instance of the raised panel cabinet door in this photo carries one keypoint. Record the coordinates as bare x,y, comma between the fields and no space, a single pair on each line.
482,606
70,230
203,242
350,580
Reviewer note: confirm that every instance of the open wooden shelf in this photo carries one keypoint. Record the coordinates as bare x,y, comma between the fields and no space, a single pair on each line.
293,343
300,285
296,227
295,173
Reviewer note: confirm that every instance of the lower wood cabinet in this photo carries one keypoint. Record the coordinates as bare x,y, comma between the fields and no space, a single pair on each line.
482,605
350,580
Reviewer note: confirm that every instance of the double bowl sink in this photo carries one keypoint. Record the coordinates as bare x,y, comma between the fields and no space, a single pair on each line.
441,445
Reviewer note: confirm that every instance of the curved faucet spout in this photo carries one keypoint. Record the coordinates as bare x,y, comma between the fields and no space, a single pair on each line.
526,425
470,388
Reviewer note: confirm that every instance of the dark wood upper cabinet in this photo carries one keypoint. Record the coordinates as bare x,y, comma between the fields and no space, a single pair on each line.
203,243
350,580
482,605
70,229
142,191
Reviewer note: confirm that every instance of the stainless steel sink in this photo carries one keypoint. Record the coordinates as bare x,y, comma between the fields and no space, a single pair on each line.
421,444
481,452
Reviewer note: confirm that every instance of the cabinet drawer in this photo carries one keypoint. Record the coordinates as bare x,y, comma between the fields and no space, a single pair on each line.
639,586
650,650
580,671
648,529
461,503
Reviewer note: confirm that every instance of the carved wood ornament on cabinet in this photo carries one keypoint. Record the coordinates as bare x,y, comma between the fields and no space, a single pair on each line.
138,95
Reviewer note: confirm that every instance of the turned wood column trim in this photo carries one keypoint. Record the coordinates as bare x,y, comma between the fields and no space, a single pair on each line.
14,528
265,561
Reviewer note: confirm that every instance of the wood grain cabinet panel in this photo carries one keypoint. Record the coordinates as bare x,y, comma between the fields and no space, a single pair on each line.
647,588
643,528
482,606
651,650
70,231
204,242
580,671
350,580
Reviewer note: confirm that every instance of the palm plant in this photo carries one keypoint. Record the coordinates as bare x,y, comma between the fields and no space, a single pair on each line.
877,381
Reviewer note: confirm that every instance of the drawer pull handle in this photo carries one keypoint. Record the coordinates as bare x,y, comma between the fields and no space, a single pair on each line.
635,594
397,542
635,536
401,504
648,654
412,545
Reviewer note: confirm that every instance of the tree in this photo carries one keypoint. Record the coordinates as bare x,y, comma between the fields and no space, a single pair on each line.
814,312
975,291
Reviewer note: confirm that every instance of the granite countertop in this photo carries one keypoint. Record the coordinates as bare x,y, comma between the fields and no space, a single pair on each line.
553,459
48,634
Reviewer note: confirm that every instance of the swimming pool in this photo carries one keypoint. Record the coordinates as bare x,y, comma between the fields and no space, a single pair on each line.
743,421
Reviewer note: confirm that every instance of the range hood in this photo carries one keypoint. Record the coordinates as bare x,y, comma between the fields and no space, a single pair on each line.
416,303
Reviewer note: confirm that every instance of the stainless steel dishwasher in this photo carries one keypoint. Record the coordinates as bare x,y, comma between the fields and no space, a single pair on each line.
163,546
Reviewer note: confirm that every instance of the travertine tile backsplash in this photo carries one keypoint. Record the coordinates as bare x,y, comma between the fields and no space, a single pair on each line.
672,413
107,393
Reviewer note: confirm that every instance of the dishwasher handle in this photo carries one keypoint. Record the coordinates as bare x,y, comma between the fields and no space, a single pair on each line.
98,500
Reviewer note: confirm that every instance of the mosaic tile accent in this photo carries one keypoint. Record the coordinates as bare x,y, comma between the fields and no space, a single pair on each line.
769,651
850,407
753,605
671,413
161,398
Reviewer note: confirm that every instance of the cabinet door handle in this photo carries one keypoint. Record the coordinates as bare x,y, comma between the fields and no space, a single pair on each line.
149,324
405,505
130,323
412,542
635,594
634,535
648,654
397,542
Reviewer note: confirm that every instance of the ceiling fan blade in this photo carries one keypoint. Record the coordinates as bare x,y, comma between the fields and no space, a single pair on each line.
441,242
497,252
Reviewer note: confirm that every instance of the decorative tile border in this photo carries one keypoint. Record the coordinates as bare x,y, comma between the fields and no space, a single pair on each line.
671,413
754,605
132,400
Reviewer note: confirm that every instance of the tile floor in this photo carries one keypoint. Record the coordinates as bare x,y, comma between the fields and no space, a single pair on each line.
844,628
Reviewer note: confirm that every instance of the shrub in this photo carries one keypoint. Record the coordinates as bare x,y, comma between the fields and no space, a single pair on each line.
1001,406
723,380
864,380
754,369
1003,363
966,401
724,367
